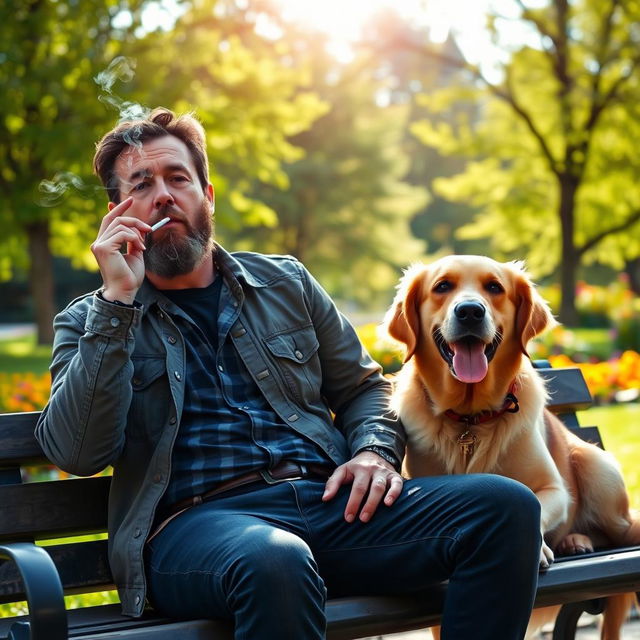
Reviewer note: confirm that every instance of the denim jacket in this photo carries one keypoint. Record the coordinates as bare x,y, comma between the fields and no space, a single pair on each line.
117,389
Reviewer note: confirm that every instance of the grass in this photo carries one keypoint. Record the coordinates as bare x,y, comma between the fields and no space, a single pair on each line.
23,355
620,430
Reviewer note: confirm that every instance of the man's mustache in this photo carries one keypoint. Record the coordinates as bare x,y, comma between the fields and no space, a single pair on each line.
171,212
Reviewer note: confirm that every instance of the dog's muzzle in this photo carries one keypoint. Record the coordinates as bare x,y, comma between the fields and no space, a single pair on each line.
466,349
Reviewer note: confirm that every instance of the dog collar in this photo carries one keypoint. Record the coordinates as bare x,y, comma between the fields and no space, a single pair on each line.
467,439
510,405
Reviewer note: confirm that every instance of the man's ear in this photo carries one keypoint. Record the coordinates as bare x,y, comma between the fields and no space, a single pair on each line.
210,195
402,320
533,315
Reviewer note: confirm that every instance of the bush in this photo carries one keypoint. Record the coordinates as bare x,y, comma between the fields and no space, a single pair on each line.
24,391
383,350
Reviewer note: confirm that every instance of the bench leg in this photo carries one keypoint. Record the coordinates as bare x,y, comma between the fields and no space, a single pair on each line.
567,620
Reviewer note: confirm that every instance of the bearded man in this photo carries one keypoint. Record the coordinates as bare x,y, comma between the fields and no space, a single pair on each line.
249,431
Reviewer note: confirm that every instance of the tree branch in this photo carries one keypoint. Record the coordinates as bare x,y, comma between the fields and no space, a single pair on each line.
592,242
507,95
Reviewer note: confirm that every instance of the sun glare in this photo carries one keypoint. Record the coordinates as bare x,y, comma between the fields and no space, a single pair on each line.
342,20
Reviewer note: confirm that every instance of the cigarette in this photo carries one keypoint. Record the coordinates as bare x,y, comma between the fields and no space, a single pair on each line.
160,223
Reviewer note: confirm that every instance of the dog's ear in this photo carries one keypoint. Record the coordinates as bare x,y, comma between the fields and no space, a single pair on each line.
533,315
402,320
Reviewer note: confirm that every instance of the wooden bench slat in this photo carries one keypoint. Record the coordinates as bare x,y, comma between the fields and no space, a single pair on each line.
50,509
83,568
568,390
18,445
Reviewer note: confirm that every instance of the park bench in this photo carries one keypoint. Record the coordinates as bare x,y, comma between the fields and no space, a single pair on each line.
64,508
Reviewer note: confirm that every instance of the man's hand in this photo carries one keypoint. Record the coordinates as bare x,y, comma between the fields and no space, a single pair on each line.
122,273
368,474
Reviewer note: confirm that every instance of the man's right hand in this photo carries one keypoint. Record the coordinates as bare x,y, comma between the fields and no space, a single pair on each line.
122,273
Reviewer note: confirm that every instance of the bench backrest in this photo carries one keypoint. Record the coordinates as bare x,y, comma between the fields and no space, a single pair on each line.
58,508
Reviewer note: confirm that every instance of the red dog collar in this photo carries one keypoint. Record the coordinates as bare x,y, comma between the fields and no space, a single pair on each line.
510,405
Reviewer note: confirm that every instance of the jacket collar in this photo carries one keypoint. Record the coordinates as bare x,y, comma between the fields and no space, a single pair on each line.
231,269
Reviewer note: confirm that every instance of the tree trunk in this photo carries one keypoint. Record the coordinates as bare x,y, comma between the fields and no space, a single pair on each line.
41,279
632,269
569,259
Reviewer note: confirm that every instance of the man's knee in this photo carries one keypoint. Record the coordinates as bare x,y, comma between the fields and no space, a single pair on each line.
279,560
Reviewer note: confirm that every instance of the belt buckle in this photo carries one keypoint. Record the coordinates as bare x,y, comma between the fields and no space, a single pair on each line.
269,479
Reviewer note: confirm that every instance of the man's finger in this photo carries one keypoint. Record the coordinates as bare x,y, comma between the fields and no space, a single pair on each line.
358,490
335,481
376,491
397,482
115,211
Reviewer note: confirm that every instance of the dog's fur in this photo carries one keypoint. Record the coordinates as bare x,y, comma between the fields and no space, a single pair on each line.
465,322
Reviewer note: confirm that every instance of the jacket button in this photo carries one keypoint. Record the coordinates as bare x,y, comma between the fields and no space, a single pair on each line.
138,600
172,340
136,533
115,322
172,420
298,354
177,375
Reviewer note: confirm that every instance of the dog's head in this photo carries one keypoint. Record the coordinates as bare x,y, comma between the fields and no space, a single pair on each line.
467,311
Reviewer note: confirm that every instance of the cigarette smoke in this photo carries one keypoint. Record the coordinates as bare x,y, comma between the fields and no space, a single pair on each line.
123,69
53,192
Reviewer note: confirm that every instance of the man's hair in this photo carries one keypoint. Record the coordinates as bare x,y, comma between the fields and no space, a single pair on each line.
133,133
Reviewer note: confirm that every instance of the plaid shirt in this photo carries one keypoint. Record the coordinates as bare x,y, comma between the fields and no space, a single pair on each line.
228,429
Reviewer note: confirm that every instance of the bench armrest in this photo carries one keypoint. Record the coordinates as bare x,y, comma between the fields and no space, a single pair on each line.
47,614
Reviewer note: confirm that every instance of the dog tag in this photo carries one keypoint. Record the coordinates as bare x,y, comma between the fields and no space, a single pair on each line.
467,443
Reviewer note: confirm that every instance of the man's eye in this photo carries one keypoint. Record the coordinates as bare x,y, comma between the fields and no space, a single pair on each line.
494,287
443,286
140,186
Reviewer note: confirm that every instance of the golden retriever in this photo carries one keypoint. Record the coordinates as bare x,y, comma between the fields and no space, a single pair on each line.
472,402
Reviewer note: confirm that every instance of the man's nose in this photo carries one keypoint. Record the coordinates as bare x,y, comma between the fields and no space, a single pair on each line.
162,195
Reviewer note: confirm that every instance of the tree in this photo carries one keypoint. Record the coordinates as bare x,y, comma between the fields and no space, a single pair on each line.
552,164
347,209
50,52
51,114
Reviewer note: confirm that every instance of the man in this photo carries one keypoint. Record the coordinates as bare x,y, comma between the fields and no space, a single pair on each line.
255,460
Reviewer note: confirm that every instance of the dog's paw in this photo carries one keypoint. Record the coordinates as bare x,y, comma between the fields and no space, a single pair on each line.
546,556
574,544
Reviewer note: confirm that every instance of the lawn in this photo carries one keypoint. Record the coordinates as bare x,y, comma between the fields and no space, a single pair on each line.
620,430
23,355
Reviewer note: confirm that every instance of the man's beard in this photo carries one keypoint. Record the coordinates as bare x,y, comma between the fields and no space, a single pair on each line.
175,254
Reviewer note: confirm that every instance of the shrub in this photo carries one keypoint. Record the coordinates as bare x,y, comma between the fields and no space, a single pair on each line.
24,391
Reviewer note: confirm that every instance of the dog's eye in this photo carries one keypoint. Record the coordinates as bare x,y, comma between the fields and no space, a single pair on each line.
494,287
443,286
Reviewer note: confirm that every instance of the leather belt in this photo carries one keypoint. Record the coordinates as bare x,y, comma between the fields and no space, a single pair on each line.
282,472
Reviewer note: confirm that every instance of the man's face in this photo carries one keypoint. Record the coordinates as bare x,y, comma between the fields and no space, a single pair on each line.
162,180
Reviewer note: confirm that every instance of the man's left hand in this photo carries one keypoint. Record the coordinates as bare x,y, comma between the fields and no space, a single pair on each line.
370,476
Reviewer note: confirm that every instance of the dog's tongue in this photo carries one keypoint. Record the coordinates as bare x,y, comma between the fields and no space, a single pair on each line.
469,362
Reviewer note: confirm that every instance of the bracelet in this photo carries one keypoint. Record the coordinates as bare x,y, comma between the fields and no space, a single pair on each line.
116,302
385,454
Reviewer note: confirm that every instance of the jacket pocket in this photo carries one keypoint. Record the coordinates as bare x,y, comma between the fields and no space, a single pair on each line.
150,398
295,353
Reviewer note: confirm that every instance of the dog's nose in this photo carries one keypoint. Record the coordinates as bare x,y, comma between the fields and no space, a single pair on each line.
469,312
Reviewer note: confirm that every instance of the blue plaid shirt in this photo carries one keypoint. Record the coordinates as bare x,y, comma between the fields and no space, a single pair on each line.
228,429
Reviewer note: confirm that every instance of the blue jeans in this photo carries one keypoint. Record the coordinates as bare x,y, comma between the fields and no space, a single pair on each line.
267,557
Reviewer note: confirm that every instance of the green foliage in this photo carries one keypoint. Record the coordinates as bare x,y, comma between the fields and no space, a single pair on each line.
251,101
347,208
551,148
250,92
